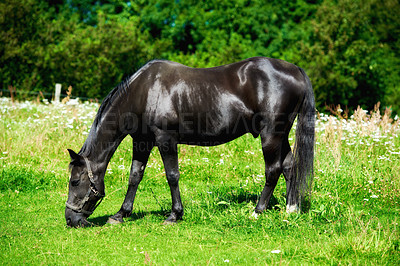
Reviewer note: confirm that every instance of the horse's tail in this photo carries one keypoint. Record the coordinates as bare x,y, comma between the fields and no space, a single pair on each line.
303,167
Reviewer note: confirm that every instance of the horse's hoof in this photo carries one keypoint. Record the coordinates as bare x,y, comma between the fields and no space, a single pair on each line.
114,221
254,215
292,209
166,222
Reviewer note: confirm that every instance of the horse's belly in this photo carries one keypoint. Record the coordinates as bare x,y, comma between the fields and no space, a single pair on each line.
212,133
204,140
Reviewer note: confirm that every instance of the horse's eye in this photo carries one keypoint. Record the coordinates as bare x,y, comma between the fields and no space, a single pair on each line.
75,183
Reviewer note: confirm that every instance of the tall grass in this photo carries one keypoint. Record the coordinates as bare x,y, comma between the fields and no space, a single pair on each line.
354,216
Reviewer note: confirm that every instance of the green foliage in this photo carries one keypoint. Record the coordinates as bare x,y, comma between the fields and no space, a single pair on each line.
352,53
22,41
91,58
97,58
350,49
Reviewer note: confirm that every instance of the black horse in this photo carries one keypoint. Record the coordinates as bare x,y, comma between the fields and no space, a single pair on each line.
165,104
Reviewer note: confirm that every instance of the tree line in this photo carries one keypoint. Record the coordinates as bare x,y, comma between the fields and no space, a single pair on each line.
349,48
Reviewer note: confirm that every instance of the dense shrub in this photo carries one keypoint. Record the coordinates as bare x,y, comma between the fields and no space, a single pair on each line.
350,49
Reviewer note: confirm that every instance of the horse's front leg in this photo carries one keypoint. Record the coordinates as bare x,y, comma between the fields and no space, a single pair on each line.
169,156
139,161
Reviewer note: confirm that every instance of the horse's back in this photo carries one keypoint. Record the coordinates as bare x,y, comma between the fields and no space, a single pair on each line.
244,77
224,101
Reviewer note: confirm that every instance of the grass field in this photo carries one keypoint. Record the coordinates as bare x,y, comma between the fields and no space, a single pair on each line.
354,216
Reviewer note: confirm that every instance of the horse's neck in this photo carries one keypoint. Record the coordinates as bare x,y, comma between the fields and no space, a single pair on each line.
103,140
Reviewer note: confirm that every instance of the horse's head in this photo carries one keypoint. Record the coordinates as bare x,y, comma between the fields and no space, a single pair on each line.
85,190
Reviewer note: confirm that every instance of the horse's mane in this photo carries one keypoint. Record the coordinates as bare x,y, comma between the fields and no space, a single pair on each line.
119,91
116,93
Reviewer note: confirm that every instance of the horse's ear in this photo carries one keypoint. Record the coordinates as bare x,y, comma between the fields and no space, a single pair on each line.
76,159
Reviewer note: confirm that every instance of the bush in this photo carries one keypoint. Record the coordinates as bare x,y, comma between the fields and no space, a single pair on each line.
348,48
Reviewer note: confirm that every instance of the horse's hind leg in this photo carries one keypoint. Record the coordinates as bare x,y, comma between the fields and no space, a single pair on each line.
141,153
272,151
291,192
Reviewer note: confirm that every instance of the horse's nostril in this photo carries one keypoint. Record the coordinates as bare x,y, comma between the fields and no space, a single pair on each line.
69,221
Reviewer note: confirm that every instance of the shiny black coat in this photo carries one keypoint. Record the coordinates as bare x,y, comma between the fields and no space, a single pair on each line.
165,104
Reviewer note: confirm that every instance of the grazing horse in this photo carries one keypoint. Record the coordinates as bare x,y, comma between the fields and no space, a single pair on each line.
165,104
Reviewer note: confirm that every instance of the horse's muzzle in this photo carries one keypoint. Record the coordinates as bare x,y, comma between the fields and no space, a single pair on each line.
75,219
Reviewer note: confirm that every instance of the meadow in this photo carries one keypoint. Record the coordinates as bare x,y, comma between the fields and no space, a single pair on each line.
353,219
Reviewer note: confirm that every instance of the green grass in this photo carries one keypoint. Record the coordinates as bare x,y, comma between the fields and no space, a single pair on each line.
354,216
